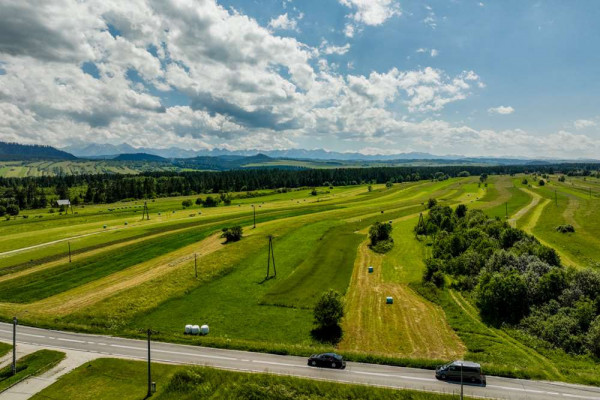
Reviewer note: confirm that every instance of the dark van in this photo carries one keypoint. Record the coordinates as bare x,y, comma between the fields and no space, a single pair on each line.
471,372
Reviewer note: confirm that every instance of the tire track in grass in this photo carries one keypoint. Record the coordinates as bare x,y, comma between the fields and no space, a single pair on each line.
535,199
530,223
528,352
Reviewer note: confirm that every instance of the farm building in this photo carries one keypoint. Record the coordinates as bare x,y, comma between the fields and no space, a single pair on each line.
66,203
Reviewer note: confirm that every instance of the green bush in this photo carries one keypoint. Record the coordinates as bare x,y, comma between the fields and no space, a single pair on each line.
567,228
233,234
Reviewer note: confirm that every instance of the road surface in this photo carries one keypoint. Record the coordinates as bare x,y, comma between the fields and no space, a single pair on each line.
358,373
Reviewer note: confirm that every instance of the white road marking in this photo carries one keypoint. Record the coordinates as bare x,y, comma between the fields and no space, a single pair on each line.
71,340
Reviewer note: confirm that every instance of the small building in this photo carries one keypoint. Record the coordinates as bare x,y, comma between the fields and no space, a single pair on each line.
66,203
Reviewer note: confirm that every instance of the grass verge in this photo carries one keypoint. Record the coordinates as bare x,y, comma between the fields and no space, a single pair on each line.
112,379
30,365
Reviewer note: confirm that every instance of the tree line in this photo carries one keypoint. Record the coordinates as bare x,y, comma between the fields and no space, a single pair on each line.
513,278
34,192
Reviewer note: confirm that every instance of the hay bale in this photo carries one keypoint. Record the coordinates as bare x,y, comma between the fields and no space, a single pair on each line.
204,330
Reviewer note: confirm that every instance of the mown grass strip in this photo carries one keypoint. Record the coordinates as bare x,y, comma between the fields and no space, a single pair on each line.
30,365
328,266
51,281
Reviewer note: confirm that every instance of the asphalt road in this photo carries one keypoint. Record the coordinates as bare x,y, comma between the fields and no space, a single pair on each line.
358,373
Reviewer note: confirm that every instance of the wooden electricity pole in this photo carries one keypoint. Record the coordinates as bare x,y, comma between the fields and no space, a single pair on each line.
149,368
271,255
14,358
69,251
196,265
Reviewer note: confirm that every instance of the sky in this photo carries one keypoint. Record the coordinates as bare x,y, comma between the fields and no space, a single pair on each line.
474,78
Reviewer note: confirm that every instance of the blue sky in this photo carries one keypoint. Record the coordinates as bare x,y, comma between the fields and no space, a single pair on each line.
377,76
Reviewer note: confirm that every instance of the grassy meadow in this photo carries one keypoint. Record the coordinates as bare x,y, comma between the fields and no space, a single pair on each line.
127,274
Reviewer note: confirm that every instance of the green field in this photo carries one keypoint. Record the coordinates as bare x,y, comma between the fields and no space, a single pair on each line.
112,379
127,274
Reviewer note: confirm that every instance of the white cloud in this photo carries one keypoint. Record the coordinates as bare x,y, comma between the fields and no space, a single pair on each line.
502,110
349,30
583,124
284,22
239,85
372,12
328,49
431,52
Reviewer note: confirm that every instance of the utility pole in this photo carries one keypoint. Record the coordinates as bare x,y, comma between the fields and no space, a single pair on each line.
461,380
506,208
14,362
149,370
69,251
555,197
271,255
145,212
254,210
196,264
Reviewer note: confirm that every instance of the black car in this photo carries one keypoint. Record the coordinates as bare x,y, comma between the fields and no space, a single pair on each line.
327,360
466,370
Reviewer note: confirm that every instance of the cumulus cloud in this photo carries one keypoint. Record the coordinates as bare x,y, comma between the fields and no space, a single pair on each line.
372,12
584,123
328,49
198,75
284,22
349,30
502,110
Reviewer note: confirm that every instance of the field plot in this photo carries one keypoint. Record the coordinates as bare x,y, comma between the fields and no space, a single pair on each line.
175,269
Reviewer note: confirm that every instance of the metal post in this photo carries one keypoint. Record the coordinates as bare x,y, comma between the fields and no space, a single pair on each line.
149,371
69,251
461,381
14,362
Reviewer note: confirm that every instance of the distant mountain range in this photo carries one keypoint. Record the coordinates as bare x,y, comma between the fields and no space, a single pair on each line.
222,159
109,151
16,151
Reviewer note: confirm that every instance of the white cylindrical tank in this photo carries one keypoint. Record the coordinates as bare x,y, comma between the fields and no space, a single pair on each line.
204,329
195,330
188,329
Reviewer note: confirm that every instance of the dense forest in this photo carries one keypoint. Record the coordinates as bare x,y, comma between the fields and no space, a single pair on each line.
513,278
35,192
16,151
